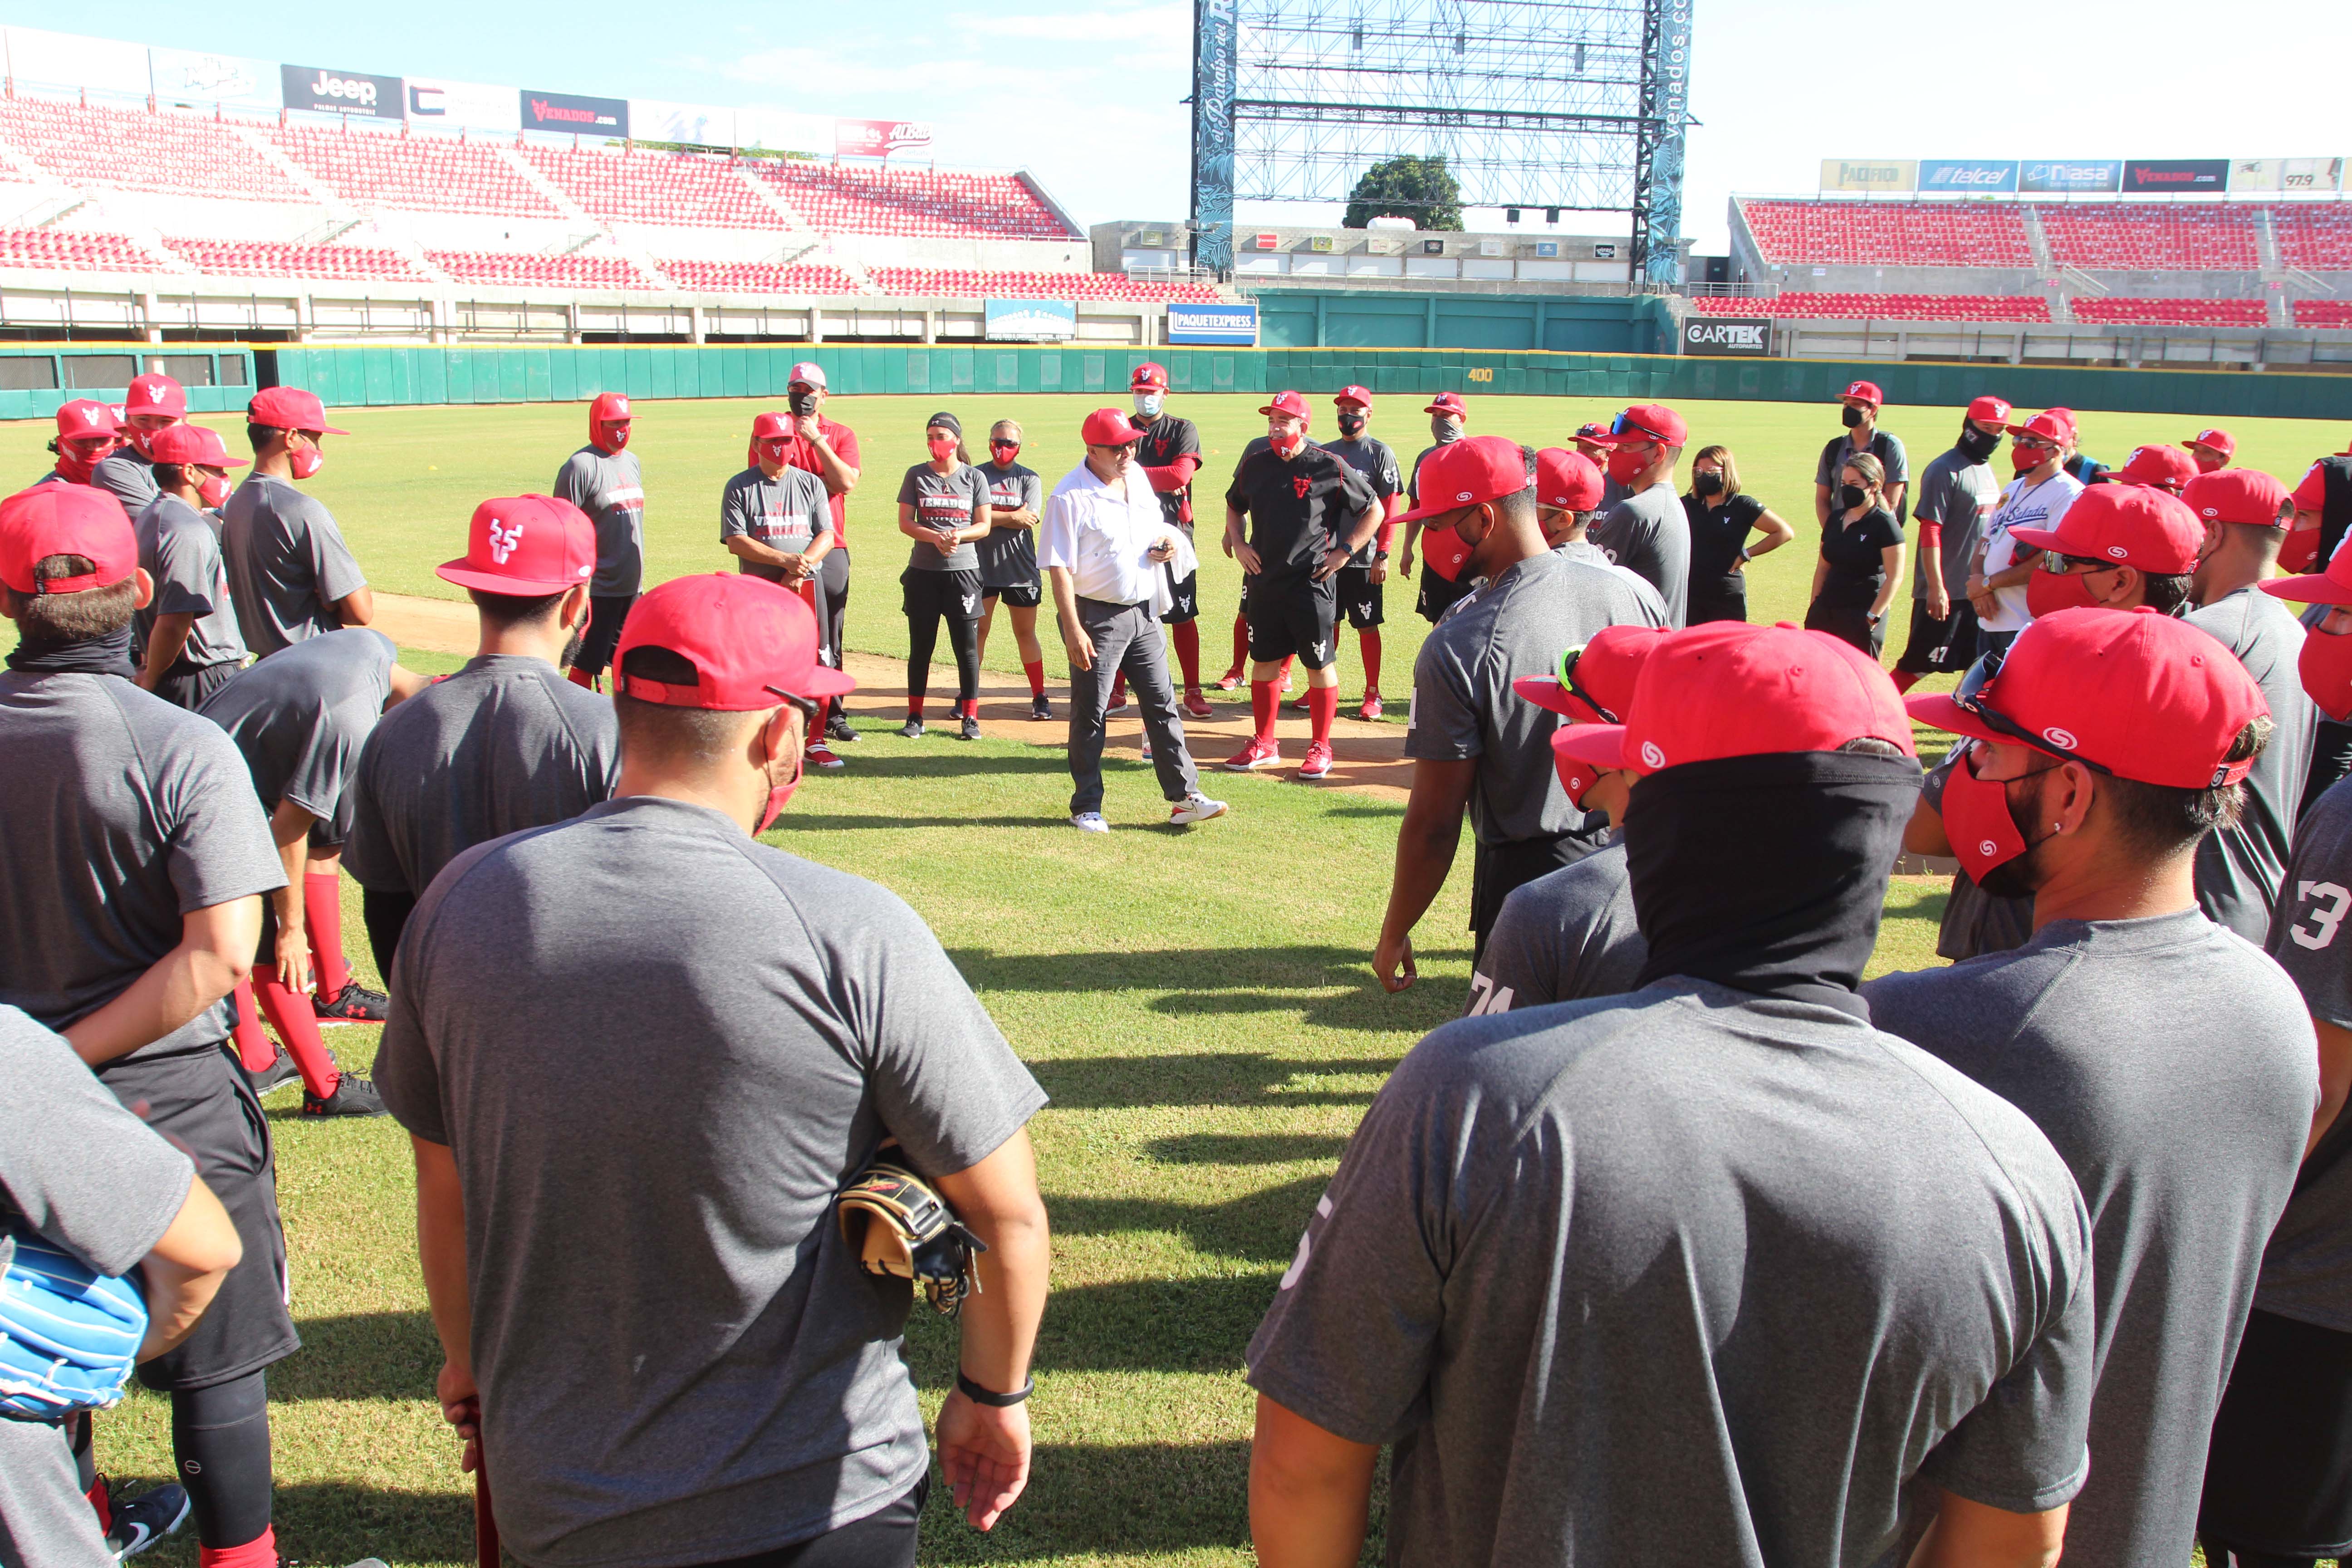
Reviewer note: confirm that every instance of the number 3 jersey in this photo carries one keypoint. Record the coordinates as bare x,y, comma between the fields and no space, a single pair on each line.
2307,1269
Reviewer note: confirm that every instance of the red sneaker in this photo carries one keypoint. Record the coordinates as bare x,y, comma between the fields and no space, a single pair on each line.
1231,681
1302,705
1196,705
1371,708
1318,760
1257,754
1116,704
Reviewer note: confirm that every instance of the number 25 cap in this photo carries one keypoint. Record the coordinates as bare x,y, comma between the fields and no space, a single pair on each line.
525,547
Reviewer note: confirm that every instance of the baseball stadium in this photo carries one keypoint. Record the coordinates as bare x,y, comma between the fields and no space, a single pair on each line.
1617,855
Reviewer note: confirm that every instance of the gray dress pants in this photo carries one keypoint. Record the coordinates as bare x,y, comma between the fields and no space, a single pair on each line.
1126,640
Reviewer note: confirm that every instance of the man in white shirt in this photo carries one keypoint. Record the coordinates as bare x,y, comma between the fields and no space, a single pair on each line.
1104,544
2036,499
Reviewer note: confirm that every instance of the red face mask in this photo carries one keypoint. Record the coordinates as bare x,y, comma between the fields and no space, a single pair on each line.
779,795
1287,443
1626,465
1977,821
2299,552
2047,592
612,437
2025,459
1004,451
1445,552
306,461
77,461
942,447
774,452
2206,465
2327,670
212,490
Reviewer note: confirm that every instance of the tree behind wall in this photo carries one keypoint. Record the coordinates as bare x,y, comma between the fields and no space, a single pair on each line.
1422,189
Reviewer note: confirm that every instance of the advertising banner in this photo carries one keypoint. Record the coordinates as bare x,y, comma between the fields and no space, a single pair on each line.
184,76
67,60
2062,176
1742,335
2286,174
775,131
699,124
468,105
569,112
877,138
1896,174
1031,321
324,91
1979,174
2159,177
1234,325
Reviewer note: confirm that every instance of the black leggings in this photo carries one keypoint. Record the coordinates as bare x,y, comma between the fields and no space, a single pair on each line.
883,1539
220,1439
931,596
605,616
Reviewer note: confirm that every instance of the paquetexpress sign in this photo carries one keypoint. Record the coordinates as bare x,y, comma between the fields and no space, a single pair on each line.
569,112
1031,321
1232,325
324,91
1727,335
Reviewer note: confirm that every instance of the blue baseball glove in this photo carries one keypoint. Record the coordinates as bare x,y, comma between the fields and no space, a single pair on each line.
69,1335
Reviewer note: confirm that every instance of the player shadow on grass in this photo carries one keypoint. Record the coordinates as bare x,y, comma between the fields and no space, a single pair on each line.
1262,1227
1117,1498
360,1355
1246,1148
1219,1077
335,1522
1325,985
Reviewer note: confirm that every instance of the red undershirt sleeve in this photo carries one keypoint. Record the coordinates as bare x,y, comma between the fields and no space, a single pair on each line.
1175,475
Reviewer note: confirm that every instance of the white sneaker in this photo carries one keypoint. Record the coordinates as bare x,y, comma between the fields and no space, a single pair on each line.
1092,821
1196,807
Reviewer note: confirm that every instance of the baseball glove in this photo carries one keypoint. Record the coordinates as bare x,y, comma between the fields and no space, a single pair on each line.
69,1335
896,1226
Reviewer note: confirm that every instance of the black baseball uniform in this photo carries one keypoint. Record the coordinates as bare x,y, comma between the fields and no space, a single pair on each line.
1165,440
1299,509
1360,596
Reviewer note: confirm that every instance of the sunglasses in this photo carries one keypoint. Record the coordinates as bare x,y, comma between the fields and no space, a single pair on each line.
1994,718
1004,445
809,707
1567,673
2090,564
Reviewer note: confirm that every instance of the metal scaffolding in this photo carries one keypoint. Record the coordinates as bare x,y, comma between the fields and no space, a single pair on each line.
1573,104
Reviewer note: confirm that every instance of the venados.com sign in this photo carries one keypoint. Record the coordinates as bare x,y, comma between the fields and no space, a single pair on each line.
1234,325
1727,335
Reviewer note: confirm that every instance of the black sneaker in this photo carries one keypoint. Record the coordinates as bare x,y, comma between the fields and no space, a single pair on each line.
912,730
354,1003
837,728
353,1096
141,1521
278,1072
971,727
1040,709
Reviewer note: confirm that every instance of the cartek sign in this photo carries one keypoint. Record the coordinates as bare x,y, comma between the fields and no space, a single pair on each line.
1727,335
877,138
569,111
339,93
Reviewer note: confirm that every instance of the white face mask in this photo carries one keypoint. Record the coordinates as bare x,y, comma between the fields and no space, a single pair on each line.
1148,404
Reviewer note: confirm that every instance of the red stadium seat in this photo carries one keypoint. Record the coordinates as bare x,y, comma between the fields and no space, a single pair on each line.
758,278
2002,309
422,174
2335,313
934,282
74,250
2115,312
538,270
133,149
2219,237
1900,234
332,263
877,199
679,189
2317,239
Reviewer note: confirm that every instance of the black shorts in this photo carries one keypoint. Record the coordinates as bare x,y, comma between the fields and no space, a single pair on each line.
1498,870
1186,593
2278,1479
1848,623
1360,597
1709,604
955,594
1021,596
187,685
201,1101
1940,647
1438,595
606,616
1291,614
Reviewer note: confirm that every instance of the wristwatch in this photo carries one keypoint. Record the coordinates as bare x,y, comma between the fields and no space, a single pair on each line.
1380,555
1744,555
979,1395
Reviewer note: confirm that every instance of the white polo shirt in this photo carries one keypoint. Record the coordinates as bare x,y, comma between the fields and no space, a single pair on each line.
1103,535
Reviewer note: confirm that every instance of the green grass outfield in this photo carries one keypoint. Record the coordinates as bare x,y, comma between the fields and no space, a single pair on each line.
1201,1012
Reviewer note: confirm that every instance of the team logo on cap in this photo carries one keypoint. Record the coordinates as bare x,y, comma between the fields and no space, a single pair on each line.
504,540
2212,511
154,392
2117,550
2063,738
1652,756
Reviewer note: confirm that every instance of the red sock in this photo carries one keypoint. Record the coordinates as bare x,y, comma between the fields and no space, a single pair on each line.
1036,673
323,917
1265,702
100,1504
298,1026
1322,707
914,705
967,706
1370,638
1186,635
254,1048
1241,642
261,1551
1905,680
581,677
1285,675
1118,686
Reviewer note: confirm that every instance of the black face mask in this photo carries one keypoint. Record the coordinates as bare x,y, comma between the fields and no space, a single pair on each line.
1790,910
1851,495
1853,417
1707,484
1975,445
1352,425
109,655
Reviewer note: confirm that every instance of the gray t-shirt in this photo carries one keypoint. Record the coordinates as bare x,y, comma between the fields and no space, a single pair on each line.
287,563
609,487
1008,556
2307,1270
1955,495
1649,533
657,1049
1565,936
504,744
178,549
1883,445
124,815
1371,458
1463,704
2116,1037
127,477
784,513
944,501
1693,1267
301,718
2239,869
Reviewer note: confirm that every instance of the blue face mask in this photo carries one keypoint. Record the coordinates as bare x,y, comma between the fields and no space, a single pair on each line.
1148,404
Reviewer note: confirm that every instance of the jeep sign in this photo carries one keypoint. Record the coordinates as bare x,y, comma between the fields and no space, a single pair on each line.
325,91
1727,335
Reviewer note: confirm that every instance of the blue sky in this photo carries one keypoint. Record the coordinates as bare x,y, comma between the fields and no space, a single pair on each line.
1089,95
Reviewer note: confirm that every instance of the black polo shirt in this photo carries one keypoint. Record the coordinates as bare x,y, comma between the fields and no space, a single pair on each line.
1300,509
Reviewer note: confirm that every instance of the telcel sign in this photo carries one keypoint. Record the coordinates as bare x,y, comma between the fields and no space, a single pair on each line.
1747,335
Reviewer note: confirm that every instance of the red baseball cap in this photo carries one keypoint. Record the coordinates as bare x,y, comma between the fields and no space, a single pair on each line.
1149,376
751,643
1862,392
1567,480
290,408
1647,422
2221,441
2162,467
525,546
1288,403
2331,585
808,373
1594,431
1731,690
65,520
2050,425
1595,684
156,394
2240,495
610,408
772,427
197,444
1108,427
2128,692
1465,472
2131,525
83,417
2311,491
1361,395
1992,410
1448,403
